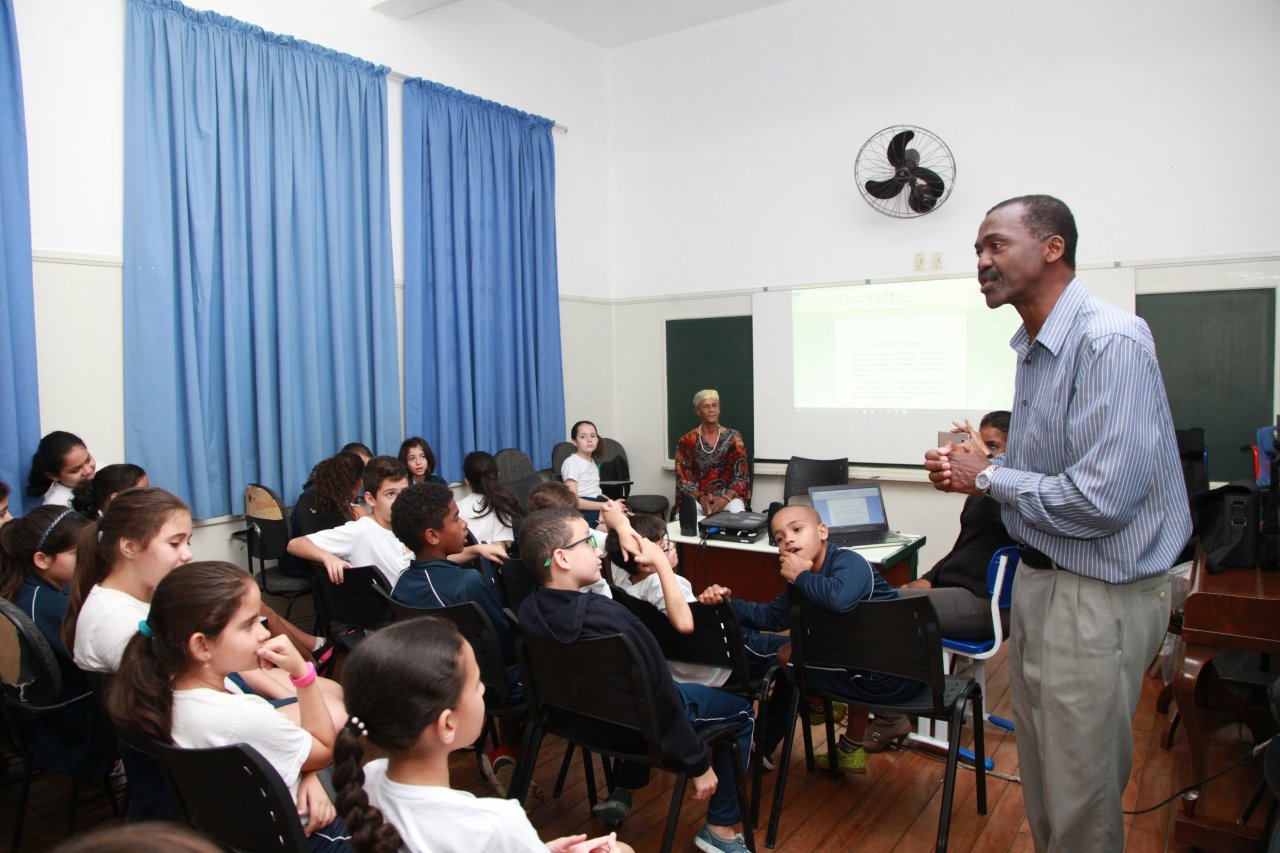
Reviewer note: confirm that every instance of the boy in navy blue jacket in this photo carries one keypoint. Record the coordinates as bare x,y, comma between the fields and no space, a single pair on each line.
833,578
425,518
558,545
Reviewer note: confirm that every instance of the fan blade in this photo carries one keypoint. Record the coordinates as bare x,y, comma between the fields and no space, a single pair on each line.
884,189
921,200
898,148
930,177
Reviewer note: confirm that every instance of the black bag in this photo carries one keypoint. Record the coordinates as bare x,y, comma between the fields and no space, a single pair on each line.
1225,520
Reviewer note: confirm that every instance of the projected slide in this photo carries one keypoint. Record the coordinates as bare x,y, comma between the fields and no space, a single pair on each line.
898,346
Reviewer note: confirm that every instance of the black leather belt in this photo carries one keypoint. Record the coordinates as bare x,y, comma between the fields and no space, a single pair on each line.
1035,559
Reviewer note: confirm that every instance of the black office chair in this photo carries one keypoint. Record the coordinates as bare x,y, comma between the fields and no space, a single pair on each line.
562,451
30,697
615,481
803,473
234,796
716,640
513,464
605,679
522,487
348,610
515,582
897,637
268,541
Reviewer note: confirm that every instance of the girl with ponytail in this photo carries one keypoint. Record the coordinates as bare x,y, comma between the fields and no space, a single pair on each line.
414,691
204,624
490,510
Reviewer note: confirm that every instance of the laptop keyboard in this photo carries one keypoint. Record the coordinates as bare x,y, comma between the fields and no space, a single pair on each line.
853,540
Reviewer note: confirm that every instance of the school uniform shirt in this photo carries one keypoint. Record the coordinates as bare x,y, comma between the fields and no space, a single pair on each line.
432,819
483,522
204,718
600,587
585,473
365,542
58,495
649,588
107,622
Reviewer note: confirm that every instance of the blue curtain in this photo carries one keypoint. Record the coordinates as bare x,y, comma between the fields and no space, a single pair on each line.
482,313
260,330
19,402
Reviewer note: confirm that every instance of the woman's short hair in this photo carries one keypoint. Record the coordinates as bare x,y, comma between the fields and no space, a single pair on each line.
705,394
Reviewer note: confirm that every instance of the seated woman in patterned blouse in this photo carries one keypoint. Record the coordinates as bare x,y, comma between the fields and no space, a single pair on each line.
711,461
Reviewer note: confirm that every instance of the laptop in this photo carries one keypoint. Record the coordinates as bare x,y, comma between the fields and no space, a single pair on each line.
854,514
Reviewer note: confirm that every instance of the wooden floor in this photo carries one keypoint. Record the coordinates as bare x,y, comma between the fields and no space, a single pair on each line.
893,807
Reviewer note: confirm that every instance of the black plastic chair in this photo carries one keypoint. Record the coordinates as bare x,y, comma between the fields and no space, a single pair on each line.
605,679
30,695
347,610
232,795
803,473
616,482
522,487
268,542
515,582
478,630
897,637
716,640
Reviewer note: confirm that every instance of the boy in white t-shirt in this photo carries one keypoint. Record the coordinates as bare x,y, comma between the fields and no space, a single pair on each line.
369,540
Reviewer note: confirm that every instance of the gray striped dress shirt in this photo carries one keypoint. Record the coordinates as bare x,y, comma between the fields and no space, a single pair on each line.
1092,476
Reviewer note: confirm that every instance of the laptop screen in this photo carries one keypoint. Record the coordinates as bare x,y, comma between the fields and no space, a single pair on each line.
857,506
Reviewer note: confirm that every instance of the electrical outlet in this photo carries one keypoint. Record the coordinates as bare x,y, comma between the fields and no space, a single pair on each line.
917,261
937,260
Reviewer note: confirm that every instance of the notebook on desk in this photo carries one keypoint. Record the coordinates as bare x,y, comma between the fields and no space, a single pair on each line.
854,514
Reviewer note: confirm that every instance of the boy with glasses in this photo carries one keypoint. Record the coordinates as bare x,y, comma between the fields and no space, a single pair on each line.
558,546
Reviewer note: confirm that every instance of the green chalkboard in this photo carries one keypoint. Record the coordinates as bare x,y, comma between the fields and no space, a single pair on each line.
1217,354
714,352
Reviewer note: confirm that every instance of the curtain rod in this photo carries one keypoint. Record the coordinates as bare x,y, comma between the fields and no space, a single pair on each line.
397,76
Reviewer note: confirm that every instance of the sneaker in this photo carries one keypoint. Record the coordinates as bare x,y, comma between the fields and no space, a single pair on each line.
839,711
613,810
768,762
847,760
712,843
884,730
499,767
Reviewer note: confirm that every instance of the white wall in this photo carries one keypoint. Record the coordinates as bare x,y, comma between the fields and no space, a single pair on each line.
733,144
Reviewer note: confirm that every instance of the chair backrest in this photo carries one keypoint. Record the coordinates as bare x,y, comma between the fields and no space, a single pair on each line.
895,637
603,679
478,630
716,639
267,522
1195,463
231,794
513,464
562,451
521,488
803,473
1000,577
515,582
29,672
354,603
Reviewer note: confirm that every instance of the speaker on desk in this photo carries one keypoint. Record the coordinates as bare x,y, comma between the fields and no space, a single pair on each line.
768,524
688,516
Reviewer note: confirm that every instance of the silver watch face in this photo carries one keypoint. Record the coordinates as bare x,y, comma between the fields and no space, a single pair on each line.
983,480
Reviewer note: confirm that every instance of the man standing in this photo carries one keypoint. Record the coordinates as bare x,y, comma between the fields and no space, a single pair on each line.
1091,488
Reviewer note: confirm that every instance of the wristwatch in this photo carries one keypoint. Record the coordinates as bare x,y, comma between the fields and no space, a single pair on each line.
983,480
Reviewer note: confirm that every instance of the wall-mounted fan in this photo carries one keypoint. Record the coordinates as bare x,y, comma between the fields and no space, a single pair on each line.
905,171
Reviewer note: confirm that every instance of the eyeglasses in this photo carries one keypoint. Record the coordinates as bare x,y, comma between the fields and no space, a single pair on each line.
590,539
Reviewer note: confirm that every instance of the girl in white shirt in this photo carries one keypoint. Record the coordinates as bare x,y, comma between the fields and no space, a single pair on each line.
414,691
60,464
491,511
205,624
581,471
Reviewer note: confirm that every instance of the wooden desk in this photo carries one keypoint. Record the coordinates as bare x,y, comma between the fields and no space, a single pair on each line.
751,571
1238,609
